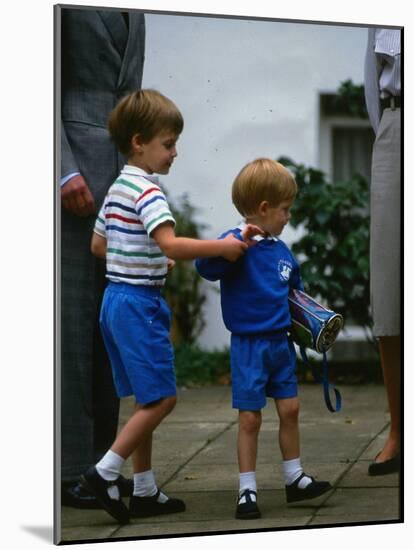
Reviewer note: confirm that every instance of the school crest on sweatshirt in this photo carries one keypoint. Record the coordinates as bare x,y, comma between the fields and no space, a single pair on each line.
284,269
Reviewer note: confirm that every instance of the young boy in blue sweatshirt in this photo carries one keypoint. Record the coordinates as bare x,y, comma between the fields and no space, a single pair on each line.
254,301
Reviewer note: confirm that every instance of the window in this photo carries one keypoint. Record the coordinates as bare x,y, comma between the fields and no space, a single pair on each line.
345,141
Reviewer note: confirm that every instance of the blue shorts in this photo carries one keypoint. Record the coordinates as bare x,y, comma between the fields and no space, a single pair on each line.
135,323
260,368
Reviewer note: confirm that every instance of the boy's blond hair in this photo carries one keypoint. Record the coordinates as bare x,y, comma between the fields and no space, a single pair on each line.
144,112
261,180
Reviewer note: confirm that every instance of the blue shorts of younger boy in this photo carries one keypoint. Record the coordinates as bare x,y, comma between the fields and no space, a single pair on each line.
262,367
135,323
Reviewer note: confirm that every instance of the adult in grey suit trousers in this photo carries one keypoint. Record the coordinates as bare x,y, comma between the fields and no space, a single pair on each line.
102,60
383,98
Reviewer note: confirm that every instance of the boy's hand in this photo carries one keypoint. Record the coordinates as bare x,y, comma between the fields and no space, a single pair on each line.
170,264
98,245
249,232
234,248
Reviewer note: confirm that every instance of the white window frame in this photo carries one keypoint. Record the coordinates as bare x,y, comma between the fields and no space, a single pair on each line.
326,125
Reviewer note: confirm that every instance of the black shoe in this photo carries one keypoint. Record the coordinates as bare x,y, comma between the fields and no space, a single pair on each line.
313,490
126,486
143,507
389,466
76,495
248,509
99,486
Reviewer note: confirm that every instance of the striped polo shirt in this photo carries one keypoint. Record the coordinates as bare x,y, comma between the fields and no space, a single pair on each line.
133,207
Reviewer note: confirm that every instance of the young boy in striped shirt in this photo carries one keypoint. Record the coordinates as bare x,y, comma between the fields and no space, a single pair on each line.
135,232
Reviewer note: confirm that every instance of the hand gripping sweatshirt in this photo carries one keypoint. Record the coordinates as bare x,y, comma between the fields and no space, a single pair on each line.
255,288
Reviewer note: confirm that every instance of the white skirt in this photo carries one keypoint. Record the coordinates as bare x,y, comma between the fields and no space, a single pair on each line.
385,241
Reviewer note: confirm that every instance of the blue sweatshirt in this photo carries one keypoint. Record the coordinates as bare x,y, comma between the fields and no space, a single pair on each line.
255,288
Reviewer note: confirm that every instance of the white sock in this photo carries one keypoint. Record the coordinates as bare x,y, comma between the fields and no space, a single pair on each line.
110,465
247,480
292,469
145,486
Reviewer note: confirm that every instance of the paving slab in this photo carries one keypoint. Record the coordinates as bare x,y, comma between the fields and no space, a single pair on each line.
206,527
357,477
195,477
357,505
195,458
222,504
88,532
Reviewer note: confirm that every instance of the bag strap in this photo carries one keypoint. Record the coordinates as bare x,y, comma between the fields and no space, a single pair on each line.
323,379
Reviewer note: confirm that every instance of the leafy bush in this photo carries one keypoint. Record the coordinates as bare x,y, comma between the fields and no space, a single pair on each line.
194,366
334,251
183,290
349,100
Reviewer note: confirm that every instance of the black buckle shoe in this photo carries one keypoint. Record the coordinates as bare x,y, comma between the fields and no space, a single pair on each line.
385,467
312,490
143,507
248,509
125,485
99,487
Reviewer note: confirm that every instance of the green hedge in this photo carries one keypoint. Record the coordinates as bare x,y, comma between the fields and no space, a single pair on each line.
196,367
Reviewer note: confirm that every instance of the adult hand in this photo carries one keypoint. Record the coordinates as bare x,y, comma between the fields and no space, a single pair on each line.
249,232
233,248
77,198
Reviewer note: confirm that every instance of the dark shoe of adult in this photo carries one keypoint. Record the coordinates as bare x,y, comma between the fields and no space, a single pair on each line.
314,489
247,507
107,493
76,495
385,467
143,507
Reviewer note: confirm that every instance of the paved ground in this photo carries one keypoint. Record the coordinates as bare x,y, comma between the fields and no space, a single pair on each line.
195,459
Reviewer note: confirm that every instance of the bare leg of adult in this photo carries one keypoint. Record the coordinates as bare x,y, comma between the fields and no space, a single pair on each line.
390,353
388,459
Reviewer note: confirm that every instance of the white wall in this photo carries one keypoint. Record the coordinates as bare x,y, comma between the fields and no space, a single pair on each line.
246,89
